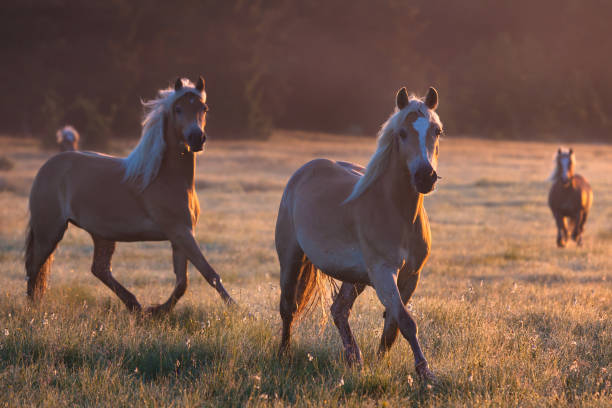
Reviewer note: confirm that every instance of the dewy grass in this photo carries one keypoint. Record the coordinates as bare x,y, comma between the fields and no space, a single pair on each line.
505,318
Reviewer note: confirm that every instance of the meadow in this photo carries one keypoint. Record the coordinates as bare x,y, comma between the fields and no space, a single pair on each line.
505,318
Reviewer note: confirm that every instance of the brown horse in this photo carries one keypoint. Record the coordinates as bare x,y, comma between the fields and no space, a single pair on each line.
148,196
570,198
67,139
363,227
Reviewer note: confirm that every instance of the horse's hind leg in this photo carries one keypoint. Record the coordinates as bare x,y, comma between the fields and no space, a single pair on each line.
340,310
179,261
101,268
407,284
290,257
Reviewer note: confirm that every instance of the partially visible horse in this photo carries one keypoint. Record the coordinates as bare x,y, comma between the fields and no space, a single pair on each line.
363,227
67,139
570,198
147,196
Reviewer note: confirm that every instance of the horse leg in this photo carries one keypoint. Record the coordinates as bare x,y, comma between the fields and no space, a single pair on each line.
407,283
186,243
561,230
385,283
340,310
290,258
179,261
577,231
101,268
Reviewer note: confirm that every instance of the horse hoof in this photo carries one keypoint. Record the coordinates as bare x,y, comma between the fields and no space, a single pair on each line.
353,360
425,374
156,310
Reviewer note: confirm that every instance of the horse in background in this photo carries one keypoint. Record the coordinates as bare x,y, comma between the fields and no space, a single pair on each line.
67,139
570,198
363,227
147,196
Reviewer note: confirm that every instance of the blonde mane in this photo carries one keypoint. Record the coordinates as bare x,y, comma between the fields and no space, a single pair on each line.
386,135
142,164
67,132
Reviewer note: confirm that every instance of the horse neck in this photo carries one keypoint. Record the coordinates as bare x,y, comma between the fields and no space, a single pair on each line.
394,188
178,164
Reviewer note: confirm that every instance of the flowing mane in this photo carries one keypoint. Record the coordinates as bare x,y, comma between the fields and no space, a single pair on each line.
142,164
68,132
386,135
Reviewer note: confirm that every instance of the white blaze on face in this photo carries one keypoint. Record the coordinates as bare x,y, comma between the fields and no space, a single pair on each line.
421,125
565,164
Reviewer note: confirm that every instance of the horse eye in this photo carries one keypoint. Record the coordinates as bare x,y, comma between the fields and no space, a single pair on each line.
178,110
205,108
402,133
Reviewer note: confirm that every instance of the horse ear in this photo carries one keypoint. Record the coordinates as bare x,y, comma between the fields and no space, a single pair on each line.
401,99
200,84
571,151
559,151
178,85
431,100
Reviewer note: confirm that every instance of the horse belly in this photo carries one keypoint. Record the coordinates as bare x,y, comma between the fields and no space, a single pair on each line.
342,262
116,217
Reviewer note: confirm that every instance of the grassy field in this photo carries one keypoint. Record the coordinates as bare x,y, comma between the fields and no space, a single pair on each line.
505,317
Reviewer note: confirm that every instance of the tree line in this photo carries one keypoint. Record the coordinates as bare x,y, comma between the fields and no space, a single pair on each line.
520,69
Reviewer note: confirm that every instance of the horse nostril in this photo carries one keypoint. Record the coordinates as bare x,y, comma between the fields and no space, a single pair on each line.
434,176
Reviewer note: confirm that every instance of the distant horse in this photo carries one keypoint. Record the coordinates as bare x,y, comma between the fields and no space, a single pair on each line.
147,196
570,198
67,139
363,227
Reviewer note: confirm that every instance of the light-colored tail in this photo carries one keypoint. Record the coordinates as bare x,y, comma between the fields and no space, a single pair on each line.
36,271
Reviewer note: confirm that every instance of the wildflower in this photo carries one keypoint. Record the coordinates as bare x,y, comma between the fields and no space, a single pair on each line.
310,357
340,383
409,380
263,396
471,378
6,332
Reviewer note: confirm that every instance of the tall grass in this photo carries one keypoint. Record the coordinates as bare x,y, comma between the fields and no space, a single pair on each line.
505,317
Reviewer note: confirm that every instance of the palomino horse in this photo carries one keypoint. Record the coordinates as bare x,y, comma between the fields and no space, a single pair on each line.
570,198
67,139
363,227
147,196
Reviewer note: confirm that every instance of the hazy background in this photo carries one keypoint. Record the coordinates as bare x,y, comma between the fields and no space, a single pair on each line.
517,69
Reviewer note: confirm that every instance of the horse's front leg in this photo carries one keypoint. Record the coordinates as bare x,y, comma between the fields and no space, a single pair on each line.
184,241
340,310
577,231
561,230
179,262
407,283
384,280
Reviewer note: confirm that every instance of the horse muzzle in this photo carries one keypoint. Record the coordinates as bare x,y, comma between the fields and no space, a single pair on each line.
425,179
196,140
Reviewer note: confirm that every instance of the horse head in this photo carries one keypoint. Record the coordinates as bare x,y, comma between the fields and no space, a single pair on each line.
566,162
187,116
419,136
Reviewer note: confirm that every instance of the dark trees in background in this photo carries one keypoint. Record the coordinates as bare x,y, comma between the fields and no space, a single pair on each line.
504,69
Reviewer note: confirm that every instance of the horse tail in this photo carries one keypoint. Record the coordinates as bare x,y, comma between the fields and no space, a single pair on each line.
37,270
312,286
